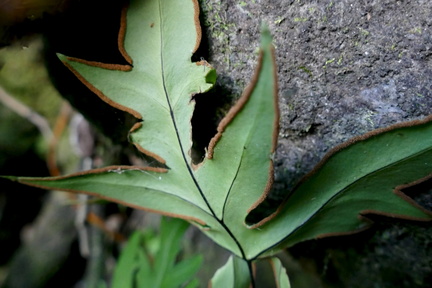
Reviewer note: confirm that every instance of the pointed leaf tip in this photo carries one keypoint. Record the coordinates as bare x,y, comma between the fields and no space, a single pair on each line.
12,178
266,37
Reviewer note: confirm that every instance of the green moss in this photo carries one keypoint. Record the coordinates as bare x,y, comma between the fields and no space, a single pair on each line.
306,70
300,19
279,20
415,30
364,32
328,62
218,26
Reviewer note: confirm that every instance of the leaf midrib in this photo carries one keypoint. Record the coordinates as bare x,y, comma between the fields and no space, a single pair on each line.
245,144
121,186
171,111
189,169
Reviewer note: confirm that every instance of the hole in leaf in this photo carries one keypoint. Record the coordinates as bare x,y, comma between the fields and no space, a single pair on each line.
264,210
210,108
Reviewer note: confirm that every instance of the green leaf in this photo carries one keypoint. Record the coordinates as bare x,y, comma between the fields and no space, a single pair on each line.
183,272
234,274
238,171
364,175
127,265
160,38
280,275
144,275
193,284
166,273
139,266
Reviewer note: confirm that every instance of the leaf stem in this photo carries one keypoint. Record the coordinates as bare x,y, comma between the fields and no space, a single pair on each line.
252,279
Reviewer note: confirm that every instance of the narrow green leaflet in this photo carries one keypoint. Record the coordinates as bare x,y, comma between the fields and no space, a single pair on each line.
166,272
280,275
140,266
158,37
127,266
363,176
234,274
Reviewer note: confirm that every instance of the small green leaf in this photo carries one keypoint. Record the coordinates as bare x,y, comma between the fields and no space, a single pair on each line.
234,274
127,265
172,231
193,284
139,266
144,275
280,275
183,272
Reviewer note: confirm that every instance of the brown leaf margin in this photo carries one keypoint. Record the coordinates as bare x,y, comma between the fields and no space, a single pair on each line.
275,271
120,67
120,43
96,91
275,135
125,68
27,181
197,25
158,158
398,190
234,110
232,113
